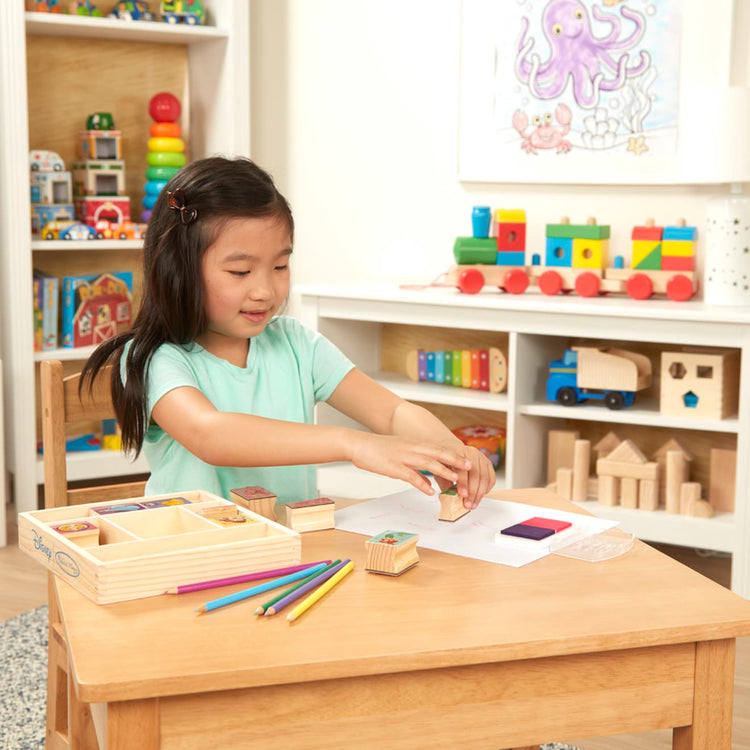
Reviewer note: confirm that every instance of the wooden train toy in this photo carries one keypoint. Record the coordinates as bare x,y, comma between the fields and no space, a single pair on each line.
576,259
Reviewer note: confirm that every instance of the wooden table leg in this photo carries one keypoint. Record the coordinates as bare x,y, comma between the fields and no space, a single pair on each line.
712,702
133,725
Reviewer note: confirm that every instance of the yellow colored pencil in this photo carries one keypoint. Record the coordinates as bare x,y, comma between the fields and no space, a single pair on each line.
319,592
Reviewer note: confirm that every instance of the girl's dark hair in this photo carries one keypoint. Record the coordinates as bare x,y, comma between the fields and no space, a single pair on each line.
214,190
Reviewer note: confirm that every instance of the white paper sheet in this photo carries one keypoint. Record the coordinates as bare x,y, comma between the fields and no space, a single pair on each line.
472,535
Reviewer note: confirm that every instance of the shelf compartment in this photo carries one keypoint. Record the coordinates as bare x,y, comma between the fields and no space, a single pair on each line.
158,32
58,245
99,464
644,412
716,533
437,393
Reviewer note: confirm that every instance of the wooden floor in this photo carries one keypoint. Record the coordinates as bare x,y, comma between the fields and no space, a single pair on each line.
23,586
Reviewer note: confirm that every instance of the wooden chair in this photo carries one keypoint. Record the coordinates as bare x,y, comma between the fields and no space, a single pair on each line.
69,723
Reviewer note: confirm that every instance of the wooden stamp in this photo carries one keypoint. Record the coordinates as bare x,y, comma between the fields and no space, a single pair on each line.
83,533
451,505
391,552
257,499
311,515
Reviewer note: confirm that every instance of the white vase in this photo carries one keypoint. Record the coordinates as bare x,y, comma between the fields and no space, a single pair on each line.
727,266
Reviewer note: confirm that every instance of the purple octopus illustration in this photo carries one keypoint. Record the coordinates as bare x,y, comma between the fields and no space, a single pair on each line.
545,135
594,64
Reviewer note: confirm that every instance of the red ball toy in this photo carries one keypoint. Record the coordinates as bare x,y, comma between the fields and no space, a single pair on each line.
164,107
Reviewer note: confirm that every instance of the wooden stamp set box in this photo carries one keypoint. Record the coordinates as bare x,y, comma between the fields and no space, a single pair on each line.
129,549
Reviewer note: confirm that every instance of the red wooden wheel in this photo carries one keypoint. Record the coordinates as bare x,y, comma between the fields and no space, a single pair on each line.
639,286
516,281
587,284
679,288
470,281
550,283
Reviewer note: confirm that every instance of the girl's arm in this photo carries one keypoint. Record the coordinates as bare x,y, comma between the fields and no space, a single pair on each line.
385,413
233,439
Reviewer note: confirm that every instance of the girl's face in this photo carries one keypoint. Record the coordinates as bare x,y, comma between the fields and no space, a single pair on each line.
245,282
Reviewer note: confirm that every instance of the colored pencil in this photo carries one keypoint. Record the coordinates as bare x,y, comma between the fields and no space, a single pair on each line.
259,589
306,588
263,608
320,592
245,578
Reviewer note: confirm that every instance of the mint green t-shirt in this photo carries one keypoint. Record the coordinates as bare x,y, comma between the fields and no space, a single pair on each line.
289,369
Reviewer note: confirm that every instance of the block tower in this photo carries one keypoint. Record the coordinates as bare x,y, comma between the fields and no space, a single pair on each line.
99,173
165,148
51,191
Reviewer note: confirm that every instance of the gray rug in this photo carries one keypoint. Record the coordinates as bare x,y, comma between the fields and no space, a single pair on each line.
23,687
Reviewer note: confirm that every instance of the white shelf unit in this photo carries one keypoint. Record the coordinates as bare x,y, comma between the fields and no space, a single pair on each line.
354,316
215,117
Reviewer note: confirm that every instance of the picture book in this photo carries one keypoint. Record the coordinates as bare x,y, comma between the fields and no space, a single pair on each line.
46,310
96,308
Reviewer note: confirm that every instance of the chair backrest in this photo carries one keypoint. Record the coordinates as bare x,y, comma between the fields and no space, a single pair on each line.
62,406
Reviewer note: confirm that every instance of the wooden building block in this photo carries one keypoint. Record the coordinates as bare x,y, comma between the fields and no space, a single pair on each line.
391,552
648,494
608,490
689,493
629,492
564,483
560,451
606,467
581,462
257,499
606,445
451,505
722,478
700,509
676,467
311,515
660,456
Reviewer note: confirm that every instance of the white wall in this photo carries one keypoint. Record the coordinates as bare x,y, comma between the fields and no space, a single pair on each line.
355,114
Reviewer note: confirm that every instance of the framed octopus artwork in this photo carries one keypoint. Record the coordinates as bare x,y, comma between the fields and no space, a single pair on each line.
588,91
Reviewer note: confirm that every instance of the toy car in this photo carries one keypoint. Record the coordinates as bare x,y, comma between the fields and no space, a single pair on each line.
127,230
100,121
46,161
51,230
132,10
77,231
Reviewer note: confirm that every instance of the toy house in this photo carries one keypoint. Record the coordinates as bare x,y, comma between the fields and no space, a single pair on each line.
99,174
51,190
700,384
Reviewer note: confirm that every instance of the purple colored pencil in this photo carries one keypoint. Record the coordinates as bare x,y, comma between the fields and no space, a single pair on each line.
306,589
259,576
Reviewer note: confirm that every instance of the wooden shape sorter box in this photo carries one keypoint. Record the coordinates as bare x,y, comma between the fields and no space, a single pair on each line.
150,544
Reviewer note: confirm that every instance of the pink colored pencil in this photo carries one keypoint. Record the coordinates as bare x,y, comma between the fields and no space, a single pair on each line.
260,575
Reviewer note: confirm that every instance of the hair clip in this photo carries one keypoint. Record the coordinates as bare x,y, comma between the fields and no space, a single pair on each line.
178,203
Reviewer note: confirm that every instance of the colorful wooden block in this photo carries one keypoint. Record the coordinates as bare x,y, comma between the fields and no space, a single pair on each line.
588,253
680,232
646,255
559,252
51,188
92,208
99,144
257,499
679,248
648,233
511,231
677,263
311,515
588,231
468,250
451,505
99,177
510,258
391,552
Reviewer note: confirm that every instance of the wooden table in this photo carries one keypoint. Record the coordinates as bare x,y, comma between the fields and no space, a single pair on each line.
455,653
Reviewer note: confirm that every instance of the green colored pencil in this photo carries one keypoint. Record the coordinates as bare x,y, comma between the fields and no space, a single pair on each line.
263,607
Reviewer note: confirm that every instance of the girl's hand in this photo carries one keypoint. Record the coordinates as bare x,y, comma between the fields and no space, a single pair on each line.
404,459
472,484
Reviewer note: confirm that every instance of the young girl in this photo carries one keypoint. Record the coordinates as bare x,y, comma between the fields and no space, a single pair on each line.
218,388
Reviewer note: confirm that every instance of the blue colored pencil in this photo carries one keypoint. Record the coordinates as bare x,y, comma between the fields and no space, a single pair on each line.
322,577
259,589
